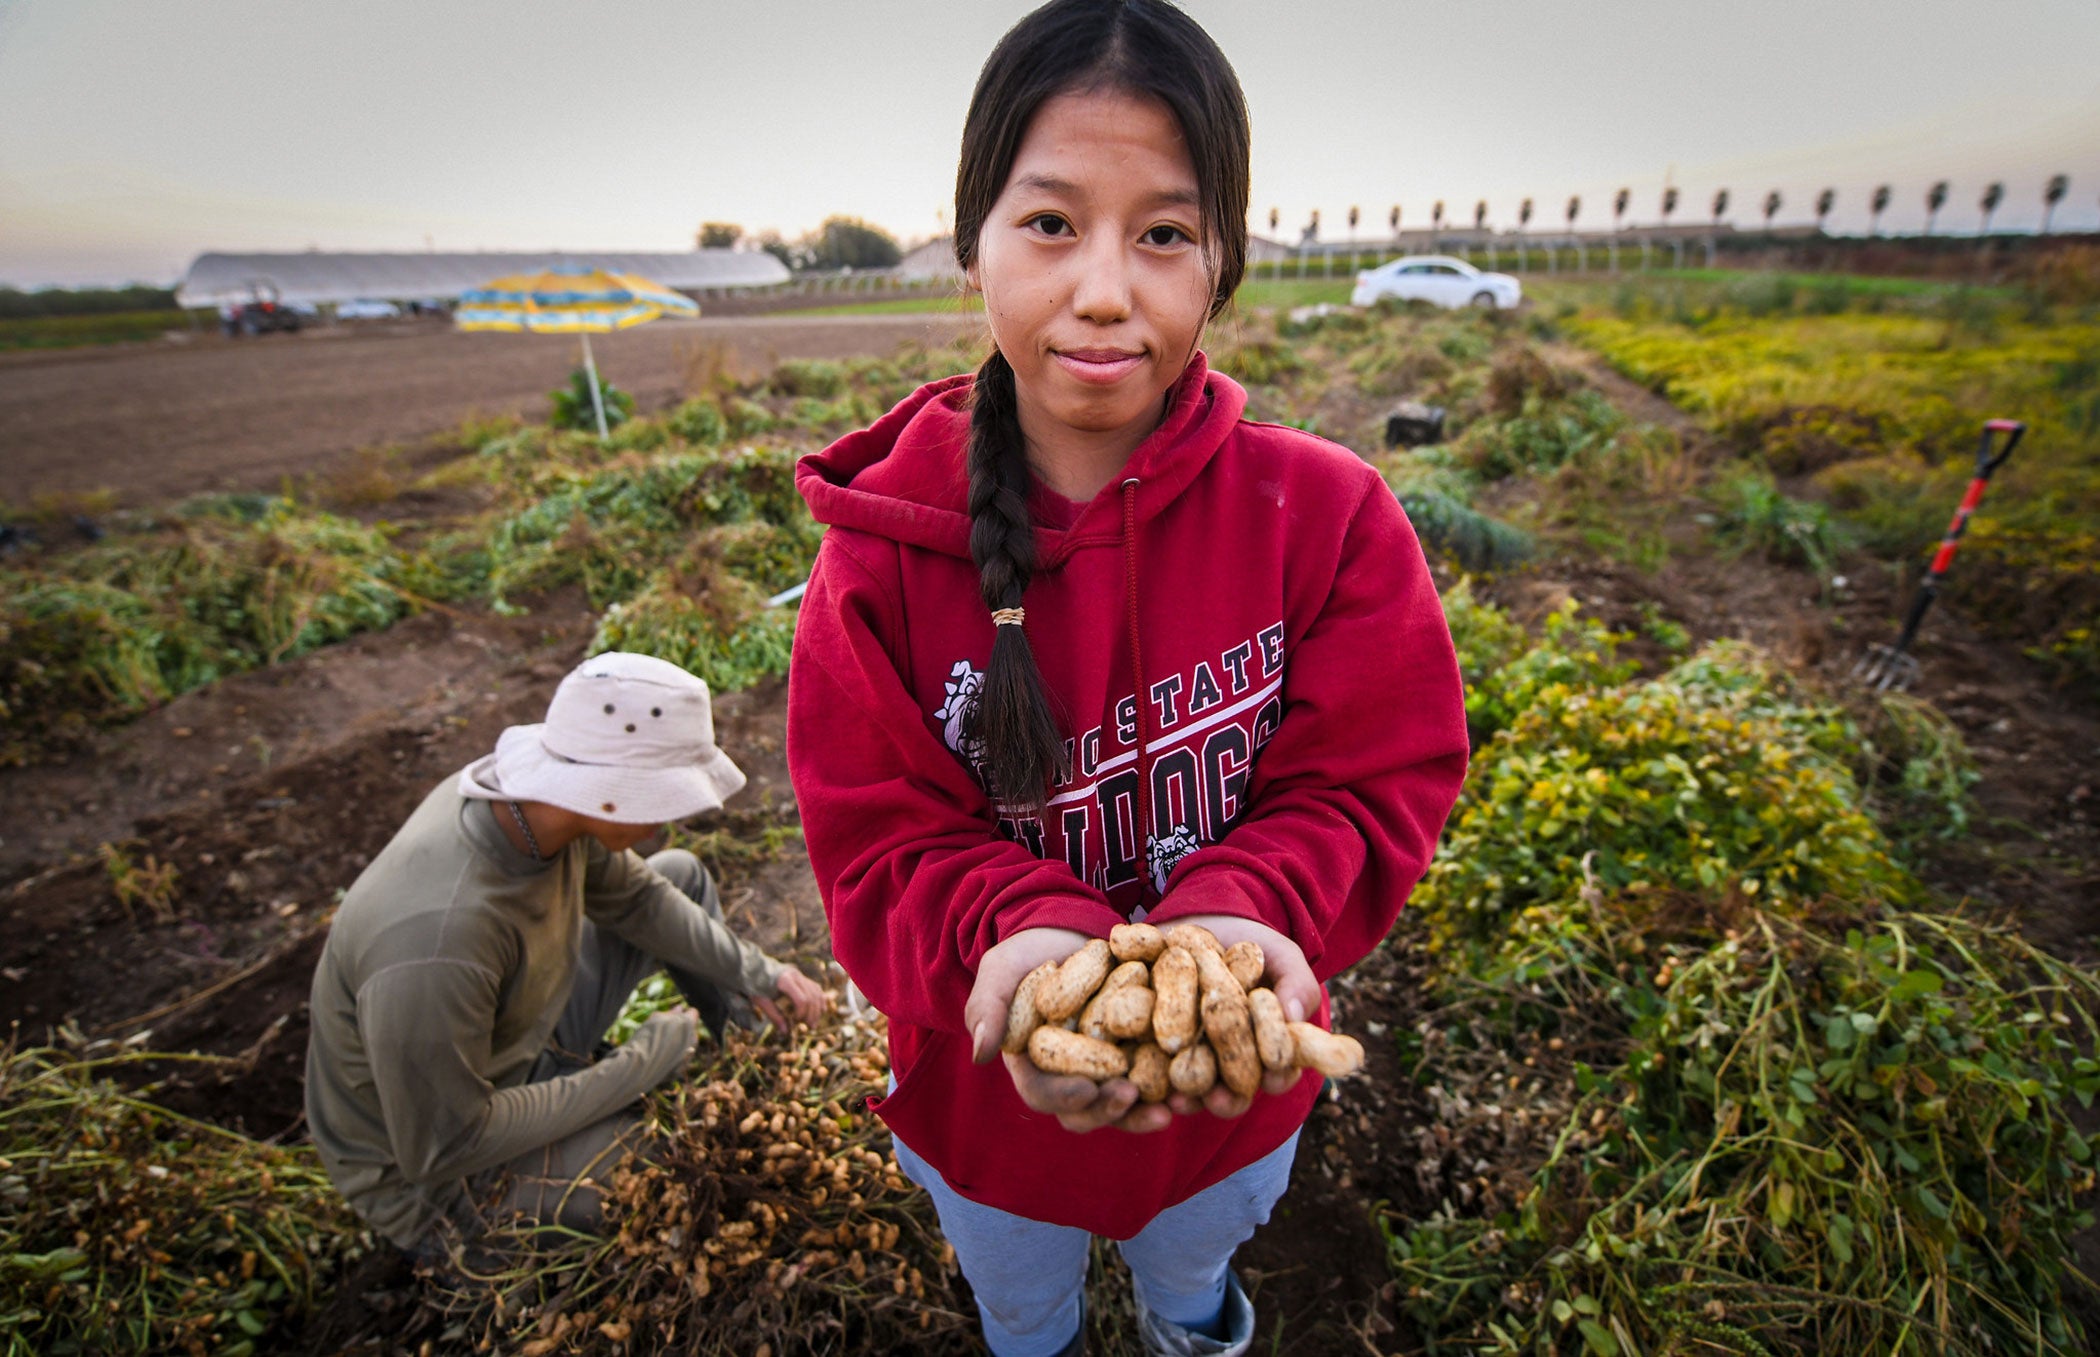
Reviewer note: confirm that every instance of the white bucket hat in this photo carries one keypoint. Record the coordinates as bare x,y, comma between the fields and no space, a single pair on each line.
628,738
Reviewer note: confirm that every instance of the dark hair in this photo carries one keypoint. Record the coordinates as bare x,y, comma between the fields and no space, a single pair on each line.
1146,48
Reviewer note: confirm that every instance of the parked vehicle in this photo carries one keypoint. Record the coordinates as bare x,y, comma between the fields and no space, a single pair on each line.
1436,278
263,312
367,310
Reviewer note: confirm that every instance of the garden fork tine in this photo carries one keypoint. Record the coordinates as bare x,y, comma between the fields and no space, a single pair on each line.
1884,668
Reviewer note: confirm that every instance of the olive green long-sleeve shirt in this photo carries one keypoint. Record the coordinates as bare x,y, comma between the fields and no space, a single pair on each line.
446,969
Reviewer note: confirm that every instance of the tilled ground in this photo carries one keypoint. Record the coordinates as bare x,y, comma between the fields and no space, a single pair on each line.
269,792
156,422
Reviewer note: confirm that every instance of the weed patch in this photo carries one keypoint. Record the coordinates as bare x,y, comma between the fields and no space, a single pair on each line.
1814,1142
130,1229
121,627
1887,401
1804,1118
770,1213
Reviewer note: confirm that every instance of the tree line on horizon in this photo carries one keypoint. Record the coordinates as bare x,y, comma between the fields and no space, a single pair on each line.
840,242
19,304
2053,194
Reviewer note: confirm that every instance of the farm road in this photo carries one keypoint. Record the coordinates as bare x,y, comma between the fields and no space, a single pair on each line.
156,422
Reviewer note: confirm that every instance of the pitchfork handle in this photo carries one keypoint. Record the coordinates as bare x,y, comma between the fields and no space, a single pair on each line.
1985,464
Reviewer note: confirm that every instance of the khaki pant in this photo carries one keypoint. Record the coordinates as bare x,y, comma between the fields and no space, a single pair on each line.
564,1183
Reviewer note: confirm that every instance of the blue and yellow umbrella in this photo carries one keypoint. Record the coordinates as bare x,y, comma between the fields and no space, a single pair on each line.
577,301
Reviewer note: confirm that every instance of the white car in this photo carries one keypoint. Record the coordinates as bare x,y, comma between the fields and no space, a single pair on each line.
367,310
1436,278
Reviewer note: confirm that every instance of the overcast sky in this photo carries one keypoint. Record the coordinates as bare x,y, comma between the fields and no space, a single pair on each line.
135,134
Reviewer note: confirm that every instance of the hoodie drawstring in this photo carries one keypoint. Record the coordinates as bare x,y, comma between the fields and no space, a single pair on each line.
1144,698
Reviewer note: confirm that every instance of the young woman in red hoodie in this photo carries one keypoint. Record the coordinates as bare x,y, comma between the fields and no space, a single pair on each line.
1081,646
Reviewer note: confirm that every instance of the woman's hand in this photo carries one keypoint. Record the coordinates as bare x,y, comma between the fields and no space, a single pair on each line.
1079,1104
1284,970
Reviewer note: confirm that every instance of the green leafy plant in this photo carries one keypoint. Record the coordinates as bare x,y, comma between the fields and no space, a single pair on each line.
127,1228
1506,671
1662,629
723,633
1886,396
574,409
1546,432
1918,761
611,529
1448,524
112,631
1815,1142
1753,515
1699,780
141,881
817,377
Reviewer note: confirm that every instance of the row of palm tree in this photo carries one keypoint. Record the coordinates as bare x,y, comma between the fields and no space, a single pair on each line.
1935,199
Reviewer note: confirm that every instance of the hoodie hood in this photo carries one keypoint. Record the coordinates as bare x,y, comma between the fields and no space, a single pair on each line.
903,477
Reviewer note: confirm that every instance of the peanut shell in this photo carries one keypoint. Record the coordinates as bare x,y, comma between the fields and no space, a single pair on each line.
1148,1070
1245,961
1078,976
1193,1071
1136,942
1216,978
1022,1016
1127,1011
1272,1034
1129,973
1057,1051
1330,1053
1232,1037
1195,937
1091,1018
1174,1006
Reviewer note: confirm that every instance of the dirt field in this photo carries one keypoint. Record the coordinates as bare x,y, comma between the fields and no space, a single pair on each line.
155,422
270,791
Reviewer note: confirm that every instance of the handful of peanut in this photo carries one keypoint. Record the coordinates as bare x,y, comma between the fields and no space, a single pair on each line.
1175,1010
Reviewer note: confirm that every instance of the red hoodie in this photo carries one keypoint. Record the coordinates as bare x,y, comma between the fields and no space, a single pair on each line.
1244,647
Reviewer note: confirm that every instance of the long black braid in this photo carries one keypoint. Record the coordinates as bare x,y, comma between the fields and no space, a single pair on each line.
1011,719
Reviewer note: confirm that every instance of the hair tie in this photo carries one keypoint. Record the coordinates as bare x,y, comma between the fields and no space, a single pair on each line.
1008,617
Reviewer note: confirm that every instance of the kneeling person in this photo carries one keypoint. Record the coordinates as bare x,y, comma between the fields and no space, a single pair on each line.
477,962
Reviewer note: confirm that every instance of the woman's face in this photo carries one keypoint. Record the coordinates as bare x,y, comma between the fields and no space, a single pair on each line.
1092,267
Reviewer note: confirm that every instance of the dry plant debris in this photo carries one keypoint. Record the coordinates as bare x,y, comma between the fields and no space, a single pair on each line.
770,1216
127,1228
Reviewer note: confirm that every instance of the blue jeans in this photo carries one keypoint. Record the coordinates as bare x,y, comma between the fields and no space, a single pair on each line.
1028,1275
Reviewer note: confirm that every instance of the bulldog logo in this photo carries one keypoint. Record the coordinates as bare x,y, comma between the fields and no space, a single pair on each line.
965,683
1162,854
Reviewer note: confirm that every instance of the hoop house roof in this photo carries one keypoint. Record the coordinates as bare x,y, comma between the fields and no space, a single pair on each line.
317,277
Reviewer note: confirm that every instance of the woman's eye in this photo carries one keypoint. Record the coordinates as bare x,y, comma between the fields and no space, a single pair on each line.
1165,235
1049,224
